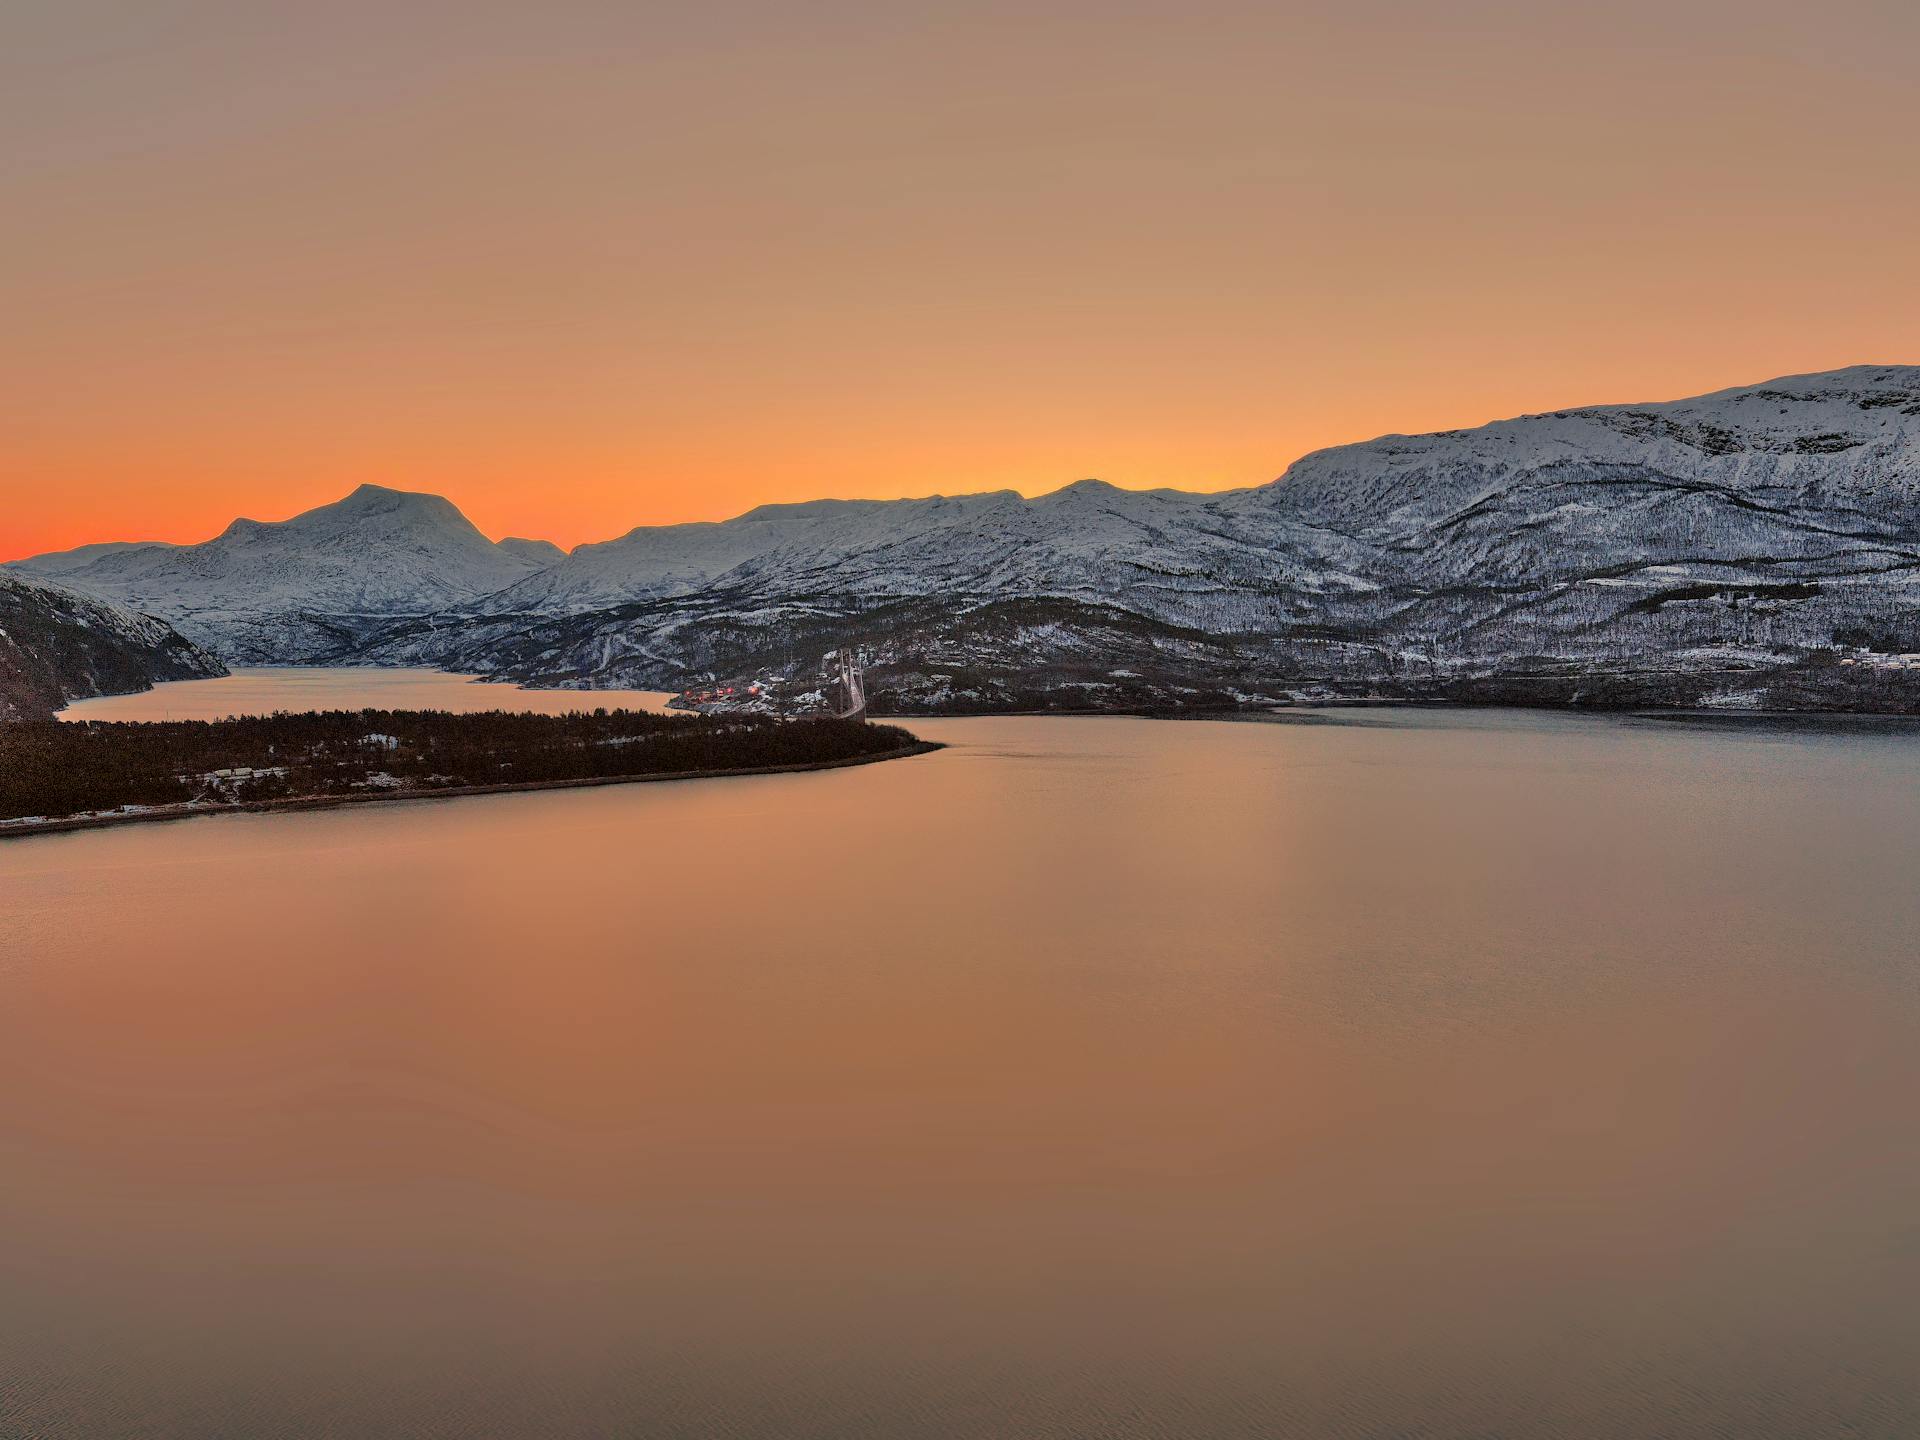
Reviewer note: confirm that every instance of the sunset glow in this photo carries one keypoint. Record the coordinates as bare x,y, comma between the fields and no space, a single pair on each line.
594,265
602,872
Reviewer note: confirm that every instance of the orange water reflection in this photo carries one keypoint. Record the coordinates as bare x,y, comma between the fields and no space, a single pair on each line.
1496,1074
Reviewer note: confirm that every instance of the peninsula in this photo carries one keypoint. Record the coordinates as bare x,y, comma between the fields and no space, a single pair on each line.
70,775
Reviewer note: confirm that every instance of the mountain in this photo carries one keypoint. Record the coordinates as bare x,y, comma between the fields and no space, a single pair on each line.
57,646
1088,540
540,552
57,563
1681,552
1759,545
1755,529
305,588
662,604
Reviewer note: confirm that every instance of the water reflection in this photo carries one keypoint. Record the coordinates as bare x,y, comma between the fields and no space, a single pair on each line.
1494,1075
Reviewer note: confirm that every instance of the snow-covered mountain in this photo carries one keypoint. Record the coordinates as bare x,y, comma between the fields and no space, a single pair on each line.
1088,541
1618,554
1843,442
1759,529
57,563
57,646
304,588
1755,525
662,603
539,552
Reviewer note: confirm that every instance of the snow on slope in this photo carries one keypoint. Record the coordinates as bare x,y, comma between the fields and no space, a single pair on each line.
57,645
1769,518
540,552
1766,520
1168,551
1616,482
1845,440
293,588
660,560
57,563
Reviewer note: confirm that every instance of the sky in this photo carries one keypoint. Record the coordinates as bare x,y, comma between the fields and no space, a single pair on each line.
590,264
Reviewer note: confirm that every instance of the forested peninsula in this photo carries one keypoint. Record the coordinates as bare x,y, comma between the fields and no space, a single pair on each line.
65,775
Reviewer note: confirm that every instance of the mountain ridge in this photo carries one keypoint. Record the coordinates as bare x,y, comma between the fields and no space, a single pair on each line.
294,590
1758,528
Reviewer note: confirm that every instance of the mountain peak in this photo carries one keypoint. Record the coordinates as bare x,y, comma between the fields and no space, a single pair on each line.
540,552
257,589
1088,489
380,499
379,509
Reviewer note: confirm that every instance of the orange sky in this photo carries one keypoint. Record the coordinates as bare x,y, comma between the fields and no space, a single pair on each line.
592,263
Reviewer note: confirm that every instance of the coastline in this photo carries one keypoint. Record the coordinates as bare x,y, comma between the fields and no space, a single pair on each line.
9,831
1306,709
588,696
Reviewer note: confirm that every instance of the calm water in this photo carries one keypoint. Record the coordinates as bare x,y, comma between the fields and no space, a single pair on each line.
1485,1075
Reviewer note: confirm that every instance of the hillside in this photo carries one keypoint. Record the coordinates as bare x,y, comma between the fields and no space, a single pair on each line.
305,588
57,646
1694,551
1666,553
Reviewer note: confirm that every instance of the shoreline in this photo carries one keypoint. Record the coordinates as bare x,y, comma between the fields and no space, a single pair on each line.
1304,708
64,824
1400,703
586,695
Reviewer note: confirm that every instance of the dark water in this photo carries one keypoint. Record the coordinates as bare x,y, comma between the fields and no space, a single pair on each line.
1484,1075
